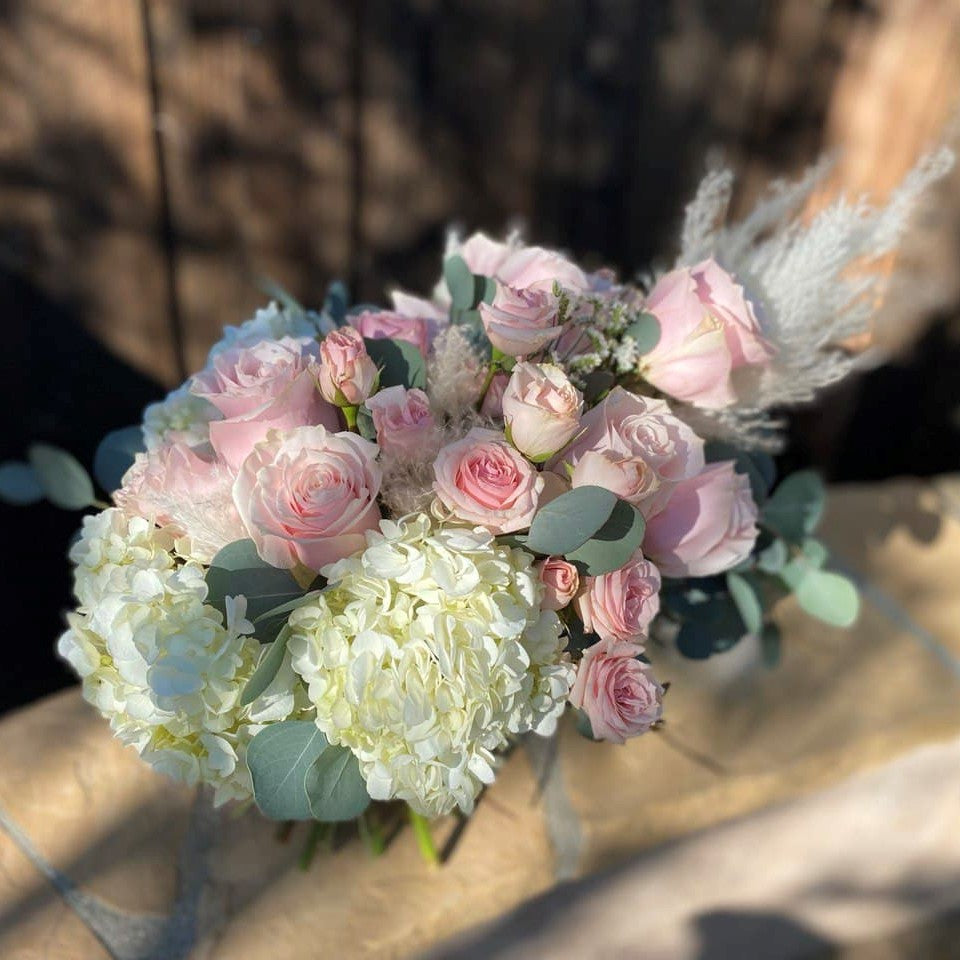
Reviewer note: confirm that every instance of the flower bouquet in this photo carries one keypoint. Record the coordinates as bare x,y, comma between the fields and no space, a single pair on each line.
365,549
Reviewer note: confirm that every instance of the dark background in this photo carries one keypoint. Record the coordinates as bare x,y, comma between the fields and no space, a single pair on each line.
157,158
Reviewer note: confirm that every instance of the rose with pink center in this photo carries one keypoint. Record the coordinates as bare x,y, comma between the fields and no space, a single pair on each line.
620,605
482,479
404,423
308,495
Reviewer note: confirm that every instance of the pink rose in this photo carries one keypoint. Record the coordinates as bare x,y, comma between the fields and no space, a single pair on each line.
387,325
347,372
482,479
621,604
541,409
521,267
308,495
707,330
405,425
492,405
189,493
627,426
630,478
709,524
617,692
560,582
520,322
269,385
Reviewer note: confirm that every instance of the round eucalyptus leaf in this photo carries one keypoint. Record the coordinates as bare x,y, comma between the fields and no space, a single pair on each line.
460,282
115,456
747,601
279,757
796,506
401,363
19,484
335,787
238,570
829,597
772,558
271,659
645,332
770,644
64,481
570,520
613,544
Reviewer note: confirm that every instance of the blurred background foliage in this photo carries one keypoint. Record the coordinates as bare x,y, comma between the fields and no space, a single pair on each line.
159,157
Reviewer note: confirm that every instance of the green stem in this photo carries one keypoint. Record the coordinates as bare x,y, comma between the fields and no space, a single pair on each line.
350,415
317,832
371,834
421,830
491,373
101,504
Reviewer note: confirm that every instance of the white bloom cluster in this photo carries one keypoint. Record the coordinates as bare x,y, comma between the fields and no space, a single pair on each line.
159,663
427,651
181,415
271,322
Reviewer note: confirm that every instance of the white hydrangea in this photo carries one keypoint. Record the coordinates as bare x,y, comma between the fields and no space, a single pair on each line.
159,663
181,415
271,322
425,654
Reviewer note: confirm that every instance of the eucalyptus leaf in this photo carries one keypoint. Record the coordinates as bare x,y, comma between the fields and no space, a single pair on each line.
771,559
271,659
336,301
365,426
770,644
460,282
279,757
815,552
64,481
597,384
584,727
711,625
645,332
237,569
747,600
335,786
695,640
567,522
829,597
795,507
613,544
115,456
273,290
289,606
745,462
485,288
401,363
19,484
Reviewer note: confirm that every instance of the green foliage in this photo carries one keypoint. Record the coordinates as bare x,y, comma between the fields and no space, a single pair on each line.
115,455
598,384
336,301
796,506
279,757
365,426
238,569
400,363
65,483
770,644
829,597
772,557
755,464
335,787
460,282
271,659
613,544
645,332
709,619
746,597
584,727
298,775
19,484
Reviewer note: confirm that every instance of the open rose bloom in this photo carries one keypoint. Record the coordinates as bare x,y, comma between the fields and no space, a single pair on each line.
357,557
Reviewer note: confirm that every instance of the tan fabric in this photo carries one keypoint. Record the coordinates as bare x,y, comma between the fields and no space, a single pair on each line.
154,874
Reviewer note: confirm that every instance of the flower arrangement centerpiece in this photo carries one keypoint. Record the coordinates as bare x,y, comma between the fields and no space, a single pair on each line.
365,549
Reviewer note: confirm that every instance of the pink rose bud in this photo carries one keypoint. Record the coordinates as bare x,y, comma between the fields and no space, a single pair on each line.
404,423
707,330
560,581
617,692
708,526
625,425
347,373
391,325
482,479
621,604
307,496
492,405
270,385
521,322
630,478
541,409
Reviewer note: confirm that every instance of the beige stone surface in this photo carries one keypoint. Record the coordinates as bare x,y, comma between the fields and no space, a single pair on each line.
160,876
